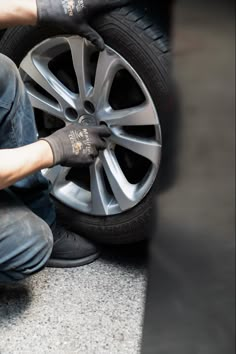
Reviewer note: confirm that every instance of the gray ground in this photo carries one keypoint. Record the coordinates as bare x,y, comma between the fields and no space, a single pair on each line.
93,309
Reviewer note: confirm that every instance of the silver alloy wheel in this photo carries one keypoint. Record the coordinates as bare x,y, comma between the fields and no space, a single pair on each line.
90,105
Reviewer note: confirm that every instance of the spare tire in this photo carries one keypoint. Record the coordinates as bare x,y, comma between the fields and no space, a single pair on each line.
141,49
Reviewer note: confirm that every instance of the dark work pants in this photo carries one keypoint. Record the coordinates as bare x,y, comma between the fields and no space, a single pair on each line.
25,240
25,209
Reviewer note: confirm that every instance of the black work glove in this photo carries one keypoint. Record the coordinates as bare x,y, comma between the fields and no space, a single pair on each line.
77,145
73,15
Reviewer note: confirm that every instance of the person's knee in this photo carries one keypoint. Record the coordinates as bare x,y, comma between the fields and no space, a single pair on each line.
39,251
27,253
9,77
8,67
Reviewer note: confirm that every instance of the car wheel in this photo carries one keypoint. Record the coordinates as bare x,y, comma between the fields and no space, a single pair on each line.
124,87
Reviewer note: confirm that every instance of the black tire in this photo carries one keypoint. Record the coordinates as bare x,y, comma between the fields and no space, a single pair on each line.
139,40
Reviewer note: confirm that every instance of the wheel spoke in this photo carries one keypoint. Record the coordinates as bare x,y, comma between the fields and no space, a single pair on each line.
80,51
137,116
124,192
44,103
107,67
38,71
145,147
56,173
100,196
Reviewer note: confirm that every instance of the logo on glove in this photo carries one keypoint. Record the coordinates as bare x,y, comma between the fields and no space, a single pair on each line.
80,141
69,6
80,6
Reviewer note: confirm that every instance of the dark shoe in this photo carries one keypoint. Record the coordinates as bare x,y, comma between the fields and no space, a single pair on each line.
70,250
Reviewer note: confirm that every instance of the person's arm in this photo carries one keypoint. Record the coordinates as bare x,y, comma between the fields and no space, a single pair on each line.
19,163
72,146
18,12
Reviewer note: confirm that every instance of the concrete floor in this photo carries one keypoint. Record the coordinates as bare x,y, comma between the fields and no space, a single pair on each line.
93,309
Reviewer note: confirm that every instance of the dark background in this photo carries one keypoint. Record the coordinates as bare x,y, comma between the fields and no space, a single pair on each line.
190,305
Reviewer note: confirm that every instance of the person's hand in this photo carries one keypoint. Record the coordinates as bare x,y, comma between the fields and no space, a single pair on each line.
73,15
77,145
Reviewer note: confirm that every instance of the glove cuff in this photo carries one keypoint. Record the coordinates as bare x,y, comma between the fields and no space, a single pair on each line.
55,147
45,11
42,12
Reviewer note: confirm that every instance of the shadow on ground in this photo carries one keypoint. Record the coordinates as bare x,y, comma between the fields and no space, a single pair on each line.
135,255
14,300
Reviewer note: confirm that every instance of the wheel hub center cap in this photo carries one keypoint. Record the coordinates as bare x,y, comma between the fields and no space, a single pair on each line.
87,120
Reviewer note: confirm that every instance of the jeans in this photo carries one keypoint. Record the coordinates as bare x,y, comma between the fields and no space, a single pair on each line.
26,204
26,241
